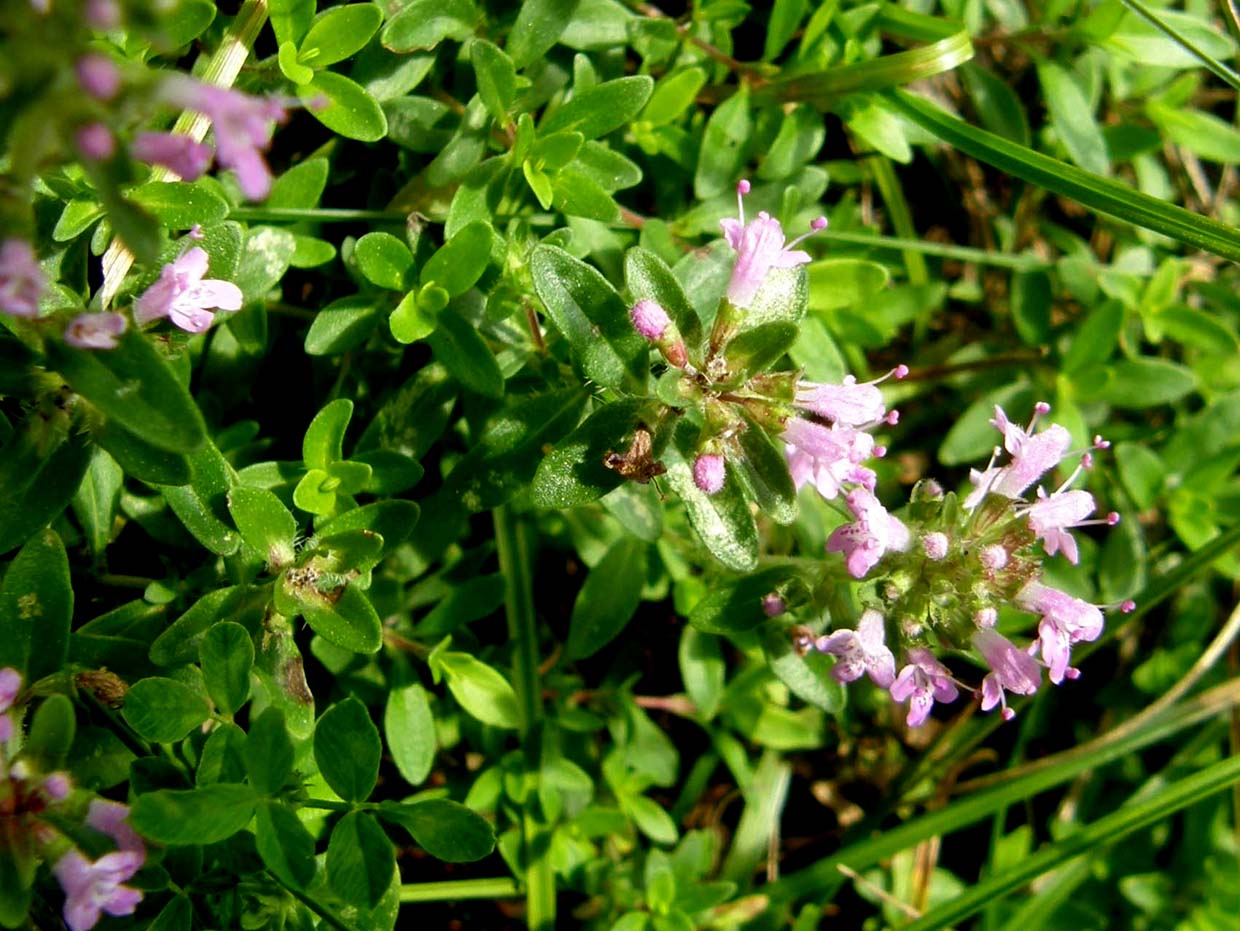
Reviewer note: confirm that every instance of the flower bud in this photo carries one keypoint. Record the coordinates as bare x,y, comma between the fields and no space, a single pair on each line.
651,321
709,472
935,545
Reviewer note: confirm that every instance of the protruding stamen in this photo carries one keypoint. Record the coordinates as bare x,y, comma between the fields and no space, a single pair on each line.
742,188
1100,443
892,418
1112,518
817,226
1128,606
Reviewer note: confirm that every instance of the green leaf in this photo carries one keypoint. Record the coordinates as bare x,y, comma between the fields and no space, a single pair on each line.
722,520
264,523
1198,329
786,16
96,500
723,146
36,608
350,110
573,472
285,845
409,728
539,24
295,71
301,186
577,194
227,653
360,859
651,819
384,260
347,749
136,387
264,260
409,321
1141,383
602,108
480,689
998,106
423,24
291,19
539,183
496,76
75,219
734,607
393,521
1073,119
461,261
587,310
164,710
51,734
311,252
340,32
809,676
179,643
763,470
343,615
608,599
178,205
138,458
464,353
323,443
445,829
202,505
223,756
205,815
1097,193
673,95
268,752
760,347
839,283
702,669
38,483
342,325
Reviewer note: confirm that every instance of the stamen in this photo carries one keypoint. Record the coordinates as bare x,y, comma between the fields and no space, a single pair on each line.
742,188
816,226
1040,409
892,418
1100,443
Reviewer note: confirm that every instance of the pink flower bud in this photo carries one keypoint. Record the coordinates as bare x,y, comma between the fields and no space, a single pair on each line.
96,142
97,75
709,472
773,605
95,331
649,319
993,557
935,545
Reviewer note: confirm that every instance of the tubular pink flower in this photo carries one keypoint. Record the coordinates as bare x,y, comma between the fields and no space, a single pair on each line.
1051,517
95,331
922,682
241,124
864,541
96,142
861,651
1033,455
827,457
1065,621
759,247
21,279
98,76
1011,670
10,687
109,818
183,296
851,402
181,154
94,887
709,472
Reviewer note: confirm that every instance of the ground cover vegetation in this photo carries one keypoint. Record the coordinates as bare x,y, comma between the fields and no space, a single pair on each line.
584,463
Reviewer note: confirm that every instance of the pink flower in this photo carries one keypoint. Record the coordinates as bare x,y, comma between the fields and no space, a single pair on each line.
827,457
1051,518
97,75
1065,621
109,818
864,541
1010,669
182,295
1033,455
92,888
241,124
10,687
709,472
103,14
922,682
850,402
95,331
181,154
759,247
861,651
96,142
21,279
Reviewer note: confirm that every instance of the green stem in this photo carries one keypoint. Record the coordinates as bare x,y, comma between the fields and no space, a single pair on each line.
314,214
901,217
497,887
321,910
512,544
330,805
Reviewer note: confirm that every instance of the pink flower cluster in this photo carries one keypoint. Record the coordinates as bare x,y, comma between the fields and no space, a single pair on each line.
986,557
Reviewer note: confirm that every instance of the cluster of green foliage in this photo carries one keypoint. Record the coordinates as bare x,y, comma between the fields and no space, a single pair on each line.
306,591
